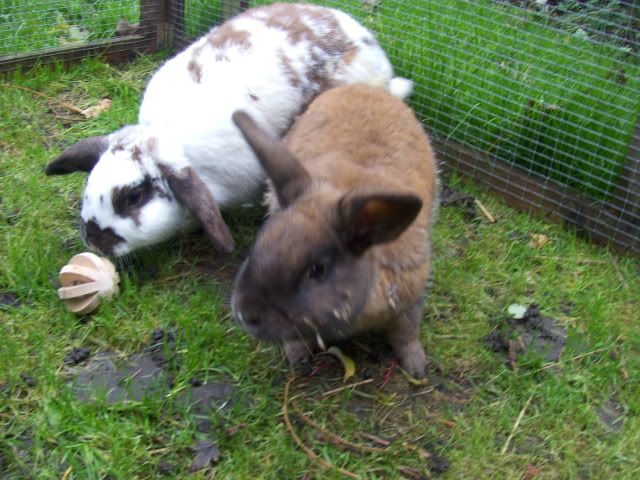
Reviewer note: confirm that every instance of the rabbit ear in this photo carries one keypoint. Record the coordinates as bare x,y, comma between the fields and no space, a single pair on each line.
80,157
193,193
288,175
369,219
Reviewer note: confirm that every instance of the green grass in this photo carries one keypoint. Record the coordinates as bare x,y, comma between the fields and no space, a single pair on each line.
557,95
480,269
28,26
200,15
543,92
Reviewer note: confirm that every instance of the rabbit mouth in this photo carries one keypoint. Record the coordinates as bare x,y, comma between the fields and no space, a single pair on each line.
104,240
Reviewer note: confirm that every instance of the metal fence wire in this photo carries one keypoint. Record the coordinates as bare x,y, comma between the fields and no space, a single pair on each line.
536,99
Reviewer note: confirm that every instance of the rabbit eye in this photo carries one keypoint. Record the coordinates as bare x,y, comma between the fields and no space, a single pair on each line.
317,271
133,198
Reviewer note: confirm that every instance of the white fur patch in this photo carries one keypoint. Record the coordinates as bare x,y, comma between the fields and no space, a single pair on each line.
400,87
190,116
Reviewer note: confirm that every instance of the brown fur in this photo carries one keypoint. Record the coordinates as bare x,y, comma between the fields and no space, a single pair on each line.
392,153
289,71
195,69
291,19
355,142
221,38
192,192
226,36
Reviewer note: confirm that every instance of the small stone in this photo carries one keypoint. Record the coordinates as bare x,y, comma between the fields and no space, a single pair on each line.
28,380
77,355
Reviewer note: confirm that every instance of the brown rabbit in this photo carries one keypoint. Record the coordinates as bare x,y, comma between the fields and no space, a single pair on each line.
347,246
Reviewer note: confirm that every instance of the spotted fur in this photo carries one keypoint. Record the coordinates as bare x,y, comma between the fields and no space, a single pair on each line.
270,61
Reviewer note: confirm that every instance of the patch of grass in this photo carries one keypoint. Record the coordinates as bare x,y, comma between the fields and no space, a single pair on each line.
549,93
557,94
464,414
200,16
512,83
27,26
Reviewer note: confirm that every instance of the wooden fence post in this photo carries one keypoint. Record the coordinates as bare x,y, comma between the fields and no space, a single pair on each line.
157,23
176,20
229,8
627,193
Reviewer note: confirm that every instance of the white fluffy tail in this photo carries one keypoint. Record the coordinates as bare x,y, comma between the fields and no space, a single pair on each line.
400,87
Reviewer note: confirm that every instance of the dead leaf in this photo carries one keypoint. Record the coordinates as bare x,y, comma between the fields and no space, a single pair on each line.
102,106
231,431
414,380
207,453
539,240
347,363
411,473
531,472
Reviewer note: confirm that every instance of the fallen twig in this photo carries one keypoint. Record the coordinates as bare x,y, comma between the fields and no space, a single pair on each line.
484,211
66,473
234,429
351,385
66,105
298,441
410,472
594,261
423,454
577,357
516,425
373,438
335,439
388,373
66,119
159,450
442,421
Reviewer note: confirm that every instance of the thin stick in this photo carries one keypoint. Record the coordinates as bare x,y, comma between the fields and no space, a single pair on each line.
34,92
351,385
442,421
578,259
310,453
484,211
66,473
66,119
577,357
516,425
335,439
373,438
159,450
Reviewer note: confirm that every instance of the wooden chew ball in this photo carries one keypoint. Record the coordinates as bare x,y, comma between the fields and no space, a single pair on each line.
85,280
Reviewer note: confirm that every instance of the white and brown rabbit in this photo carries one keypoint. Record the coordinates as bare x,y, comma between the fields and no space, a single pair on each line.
185,161
347,246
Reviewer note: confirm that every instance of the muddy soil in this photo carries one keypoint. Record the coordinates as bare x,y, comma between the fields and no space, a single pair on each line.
533,335
150,373
390,408
9,300
451,197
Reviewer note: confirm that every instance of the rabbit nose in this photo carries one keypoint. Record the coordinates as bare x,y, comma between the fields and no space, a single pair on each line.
246,320
252,320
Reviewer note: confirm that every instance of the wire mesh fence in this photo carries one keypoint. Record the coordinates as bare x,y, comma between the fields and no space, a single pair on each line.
41,31
536,99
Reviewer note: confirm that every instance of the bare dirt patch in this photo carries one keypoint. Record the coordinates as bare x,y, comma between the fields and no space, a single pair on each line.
388,410
533,335
150,373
